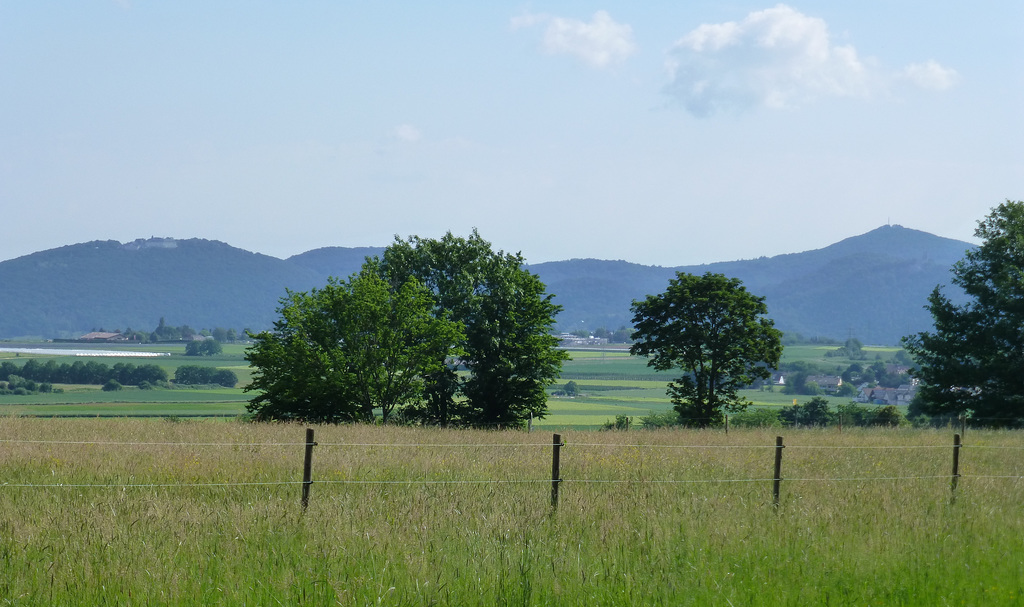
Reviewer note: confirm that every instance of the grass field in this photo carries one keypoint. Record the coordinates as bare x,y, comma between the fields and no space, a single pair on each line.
208,513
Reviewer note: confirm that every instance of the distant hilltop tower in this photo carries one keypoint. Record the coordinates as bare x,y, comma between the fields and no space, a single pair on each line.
151,243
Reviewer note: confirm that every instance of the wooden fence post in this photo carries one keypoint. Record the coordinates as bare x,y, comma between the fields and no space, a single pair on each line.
778,471
726,425
307,469
556,446
956,467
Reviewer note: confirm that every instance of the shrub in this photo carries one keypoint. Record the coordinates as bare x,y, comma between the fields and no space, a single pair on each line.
660,420
112,385
814,412
888,415
756,418
621,422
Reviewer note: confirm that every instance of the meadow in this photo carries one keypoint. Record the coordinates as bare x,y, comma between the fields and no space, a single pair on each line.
158,512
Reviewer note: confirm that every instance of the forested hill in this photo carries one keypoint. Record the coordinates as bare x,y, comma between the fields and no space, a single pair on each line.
872,286
71,290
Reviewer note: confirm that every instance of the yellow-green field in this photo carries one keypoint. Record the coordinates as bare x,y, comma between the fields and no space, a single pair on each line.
150,512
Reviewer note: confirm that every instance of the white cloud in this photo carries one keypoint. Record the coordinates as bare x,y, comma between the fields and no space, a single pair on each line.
600,42
931,75
779,58
408,133
776,58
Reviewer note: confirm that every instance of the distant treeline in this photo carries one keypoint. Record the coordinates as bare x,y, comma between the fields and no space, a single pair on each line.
34,376
83,372
193,375
813,413
166,332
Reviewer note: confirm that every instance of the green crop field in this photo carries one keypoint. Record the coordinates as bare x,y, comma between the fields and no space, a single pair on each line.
611,383
154,512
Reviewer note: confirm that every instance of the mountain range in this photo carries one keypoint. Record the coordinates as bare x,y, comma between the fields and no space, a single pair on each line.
873,286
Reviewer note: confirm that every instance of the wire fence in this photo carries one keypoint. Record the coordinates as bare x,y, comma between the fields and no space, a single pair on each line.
557,448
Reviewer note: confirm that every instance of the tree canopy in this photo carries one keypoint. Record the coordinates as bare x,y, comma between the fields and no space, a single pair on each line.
506,316
339,352
714,330
971,362
440,331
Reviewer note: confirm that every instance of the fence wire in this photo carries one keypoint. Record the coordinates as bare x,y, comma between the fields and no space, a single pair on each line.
576,481
545,445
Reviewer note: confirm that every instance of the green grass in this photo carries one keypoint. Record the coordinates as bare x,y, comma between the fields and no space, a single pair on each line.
636,541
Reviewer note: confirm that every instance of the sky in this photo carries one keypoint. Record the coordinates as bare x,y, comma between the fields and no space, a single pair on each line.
663,132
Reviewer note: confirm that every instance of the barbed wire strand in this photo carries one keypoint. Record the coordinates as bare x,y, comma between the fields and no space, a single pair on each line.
146,444
973,446
640,445
504,481
759,480
479,445
449,445
145,485
243,444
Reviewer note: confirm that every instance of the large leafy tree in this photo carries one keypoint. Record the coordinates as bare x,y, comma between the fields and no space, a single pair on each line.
715,331
973,360
339,352
507,349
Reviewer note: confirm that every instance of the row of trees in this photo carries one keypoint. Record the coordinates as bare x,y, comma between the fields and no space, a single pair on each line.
15,384
815,412
195,375
203,347
436,331
34,375
166,332
83,372
622,335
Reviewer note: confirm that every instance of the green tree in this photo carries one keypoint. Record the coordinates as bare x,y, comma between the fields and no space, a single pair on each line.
193,375
888,415
714,330
814,412
506,316
225,377
339,352
622,335
972,360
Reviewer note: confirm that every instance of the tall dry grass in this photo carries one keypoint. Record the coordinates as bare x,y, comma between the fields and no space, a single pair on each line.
669,517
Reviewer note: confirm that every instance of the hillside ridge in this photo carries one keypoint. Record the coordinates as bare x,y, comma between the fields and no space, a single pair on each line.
872,286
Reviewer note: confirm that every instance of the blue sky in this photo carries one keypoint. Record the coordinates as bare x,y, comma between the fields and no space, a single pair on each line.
665,133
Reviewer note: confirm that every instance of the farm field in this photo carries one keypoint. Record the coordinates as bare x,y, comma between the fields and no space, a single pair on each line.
611,383
118,512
